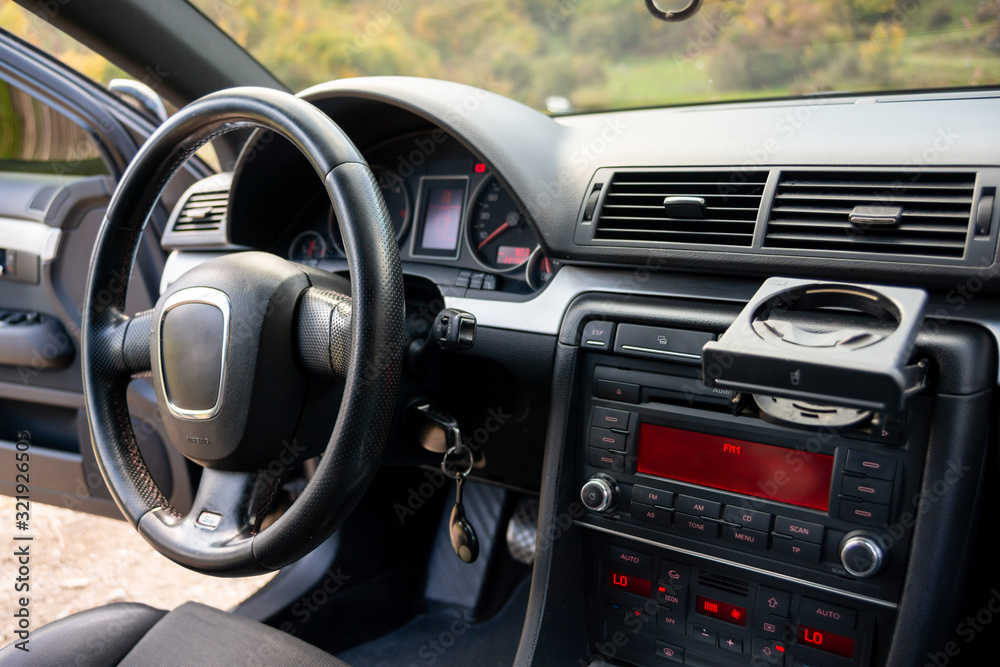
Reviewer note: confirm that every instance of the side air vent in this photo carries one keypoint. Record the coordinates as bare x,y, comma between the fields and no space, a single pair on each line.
203,212
723,583
919,213
701,207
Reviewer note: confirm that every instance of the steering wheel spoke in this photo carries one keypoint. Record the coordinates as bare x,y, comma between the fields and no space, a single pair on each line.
217,534
323,332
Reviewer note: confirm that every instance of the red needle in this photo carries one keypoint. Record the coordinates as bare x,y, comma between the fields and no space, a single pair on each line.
496,232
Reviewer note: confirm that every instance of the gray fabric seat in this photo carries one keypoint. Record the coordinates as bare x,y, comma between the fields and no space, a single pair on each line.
136,635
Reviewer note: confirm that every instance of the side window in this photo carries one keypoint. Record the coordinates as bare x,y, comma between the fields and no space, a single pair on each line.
36,138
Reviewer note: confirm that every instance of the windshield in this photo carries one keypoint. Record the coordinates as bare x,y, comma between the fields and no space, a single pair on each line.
598,54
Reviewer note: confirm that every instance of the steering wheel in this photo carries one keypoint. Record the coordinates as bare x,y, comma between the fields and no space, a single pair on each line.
237,343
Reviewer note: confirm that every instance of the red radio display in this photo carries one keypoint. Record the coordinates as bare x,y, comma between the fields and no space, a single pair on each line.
722,611
827,641
630,584
784,475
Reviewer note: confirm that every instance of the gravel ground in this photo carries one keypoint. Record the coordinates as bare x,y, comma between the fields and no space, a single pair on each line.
79,561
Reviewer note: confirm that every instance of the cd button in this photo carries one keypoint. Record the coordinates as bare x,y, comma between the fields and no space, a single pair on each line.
800,530
699,507
748,518
696,525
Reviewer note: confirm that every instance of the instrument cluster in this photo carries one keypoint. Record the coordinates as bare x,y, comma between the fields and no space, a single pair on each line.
446,207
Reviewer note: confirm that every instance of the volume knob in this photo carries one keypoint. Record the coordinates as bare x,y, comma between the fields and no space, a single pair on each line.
600,493
861,555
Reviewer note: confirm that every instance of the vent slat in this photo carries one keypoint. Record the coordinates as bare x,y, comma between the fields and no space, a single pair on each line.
203,212
633,210
811,212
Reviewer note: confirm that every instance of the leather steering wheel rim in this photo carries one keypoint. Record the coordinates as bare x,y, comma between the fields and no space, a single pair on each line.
113,345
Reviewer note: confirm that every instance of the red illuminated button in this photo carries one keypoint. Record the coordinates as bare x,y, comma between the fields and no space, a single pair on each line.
870,464
751,540
696,525
814,610
608,418
617,391
602,458
669,651
867,513
770,651
602,438
873,490
800,530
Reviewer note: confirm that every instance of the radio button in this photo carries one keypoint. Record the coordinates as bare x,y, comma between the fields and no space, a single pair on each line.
696,525
800,530
651,496
608,418
602,458
873,490
699,507
814,610
748,518
602,438
773,601
617,391
805,552
651,514
871,464
630,560
749,539
867,513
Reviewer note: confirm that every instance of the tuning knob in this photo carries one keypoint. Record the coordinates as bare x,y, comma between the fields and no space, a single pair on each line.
861,555
600,493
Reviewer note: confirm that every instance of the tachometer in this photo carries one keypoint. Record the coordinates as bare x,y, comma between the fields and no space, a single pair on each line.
498,234
308,247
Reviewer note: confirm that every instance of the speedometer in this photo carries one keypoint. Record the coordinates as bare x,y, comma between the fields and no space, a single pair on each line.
498,233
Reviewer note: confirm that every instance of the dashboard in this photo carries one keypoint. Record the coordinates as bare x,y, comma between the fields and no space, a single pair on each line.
603,256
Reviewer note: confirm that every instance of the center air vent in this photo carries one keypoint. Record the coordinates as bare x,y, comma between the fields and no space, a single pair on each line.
918,213
703,207
203,211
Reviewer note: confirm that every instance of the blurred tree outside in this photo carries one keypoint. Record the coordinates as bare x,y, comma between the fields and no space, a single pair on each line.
605,53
